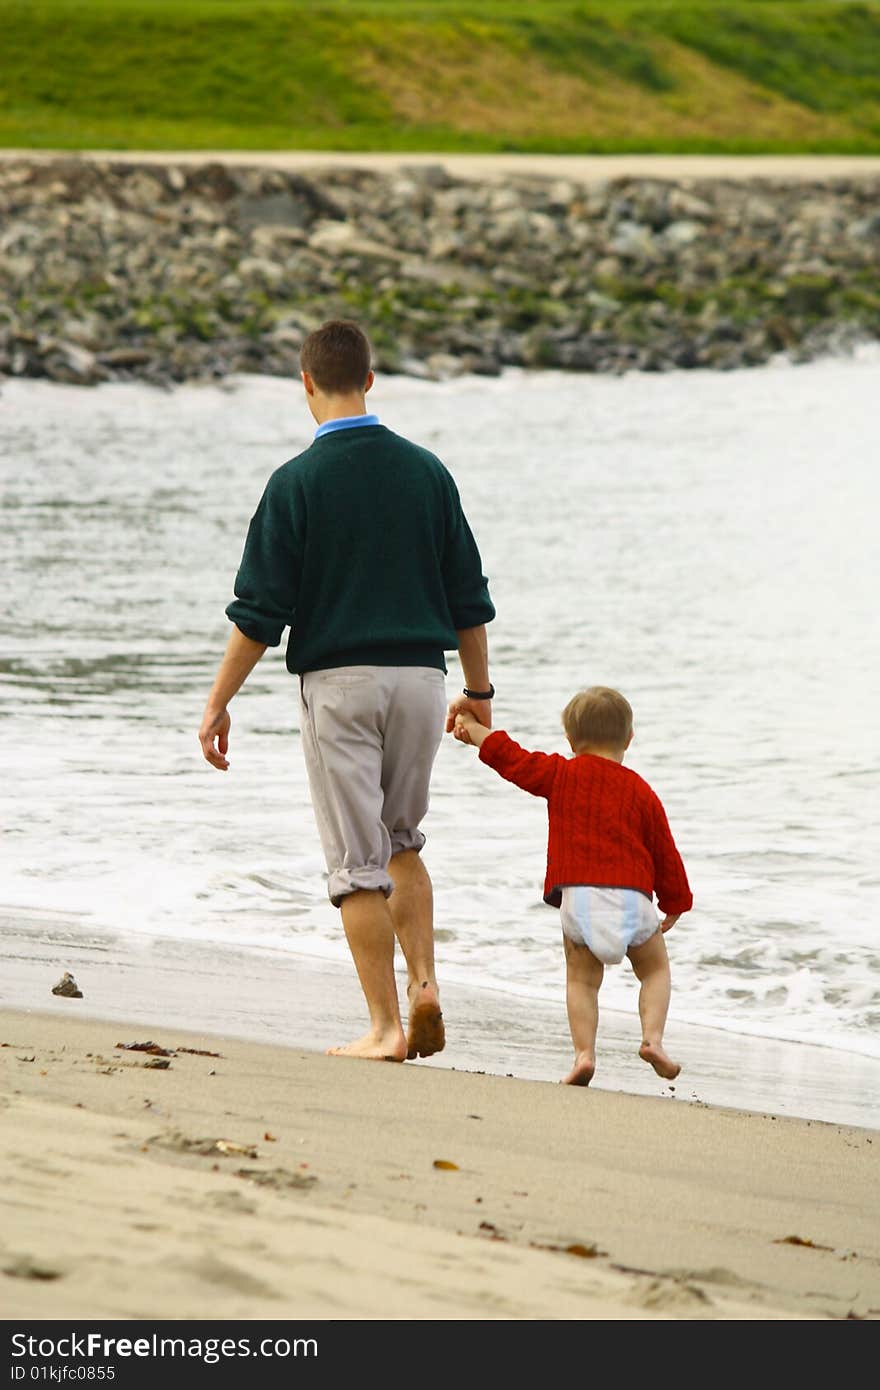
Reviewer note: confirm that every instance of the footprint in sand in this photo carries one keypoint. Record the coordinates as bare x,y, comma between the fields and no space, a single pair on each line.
226,1276
232,1202
279,1178
661,1293
208,1148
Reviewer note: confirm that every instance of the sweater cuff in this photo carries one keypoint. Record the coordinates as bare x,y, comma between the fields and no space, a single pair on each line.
259,629
676,908
471,613
491,747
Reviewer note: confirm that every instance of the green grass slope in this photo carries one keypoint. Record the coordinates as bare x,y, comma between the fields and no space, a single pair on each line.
442,75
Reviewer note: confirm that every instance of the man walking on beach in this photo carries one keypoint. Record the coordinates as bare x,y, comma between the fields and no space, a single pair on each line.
361,547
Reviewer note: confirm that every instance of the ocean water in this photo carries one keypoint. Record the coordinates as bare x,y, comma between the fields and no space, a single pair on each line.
707,542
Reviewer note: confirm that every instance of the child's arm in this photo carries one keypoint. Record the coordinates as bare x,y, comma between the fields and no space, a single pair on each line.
673,891
534,772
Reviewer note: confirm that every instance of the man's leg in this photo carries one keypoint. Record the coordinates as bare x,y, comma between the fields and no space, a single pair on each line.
412,734
412,912
370,935
583,976
651,965
341,715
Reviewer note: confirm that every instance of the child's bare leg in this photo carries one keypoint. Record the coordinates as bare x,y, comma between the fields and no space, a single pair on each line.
651,965
583,976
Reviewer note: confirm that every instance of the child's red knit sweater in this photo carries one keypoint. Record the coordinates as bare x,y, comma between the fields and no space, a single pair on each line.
606,825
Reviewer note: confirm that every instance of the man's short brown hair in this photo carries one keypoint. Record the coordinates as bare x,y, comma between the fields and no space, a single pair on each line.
599,718
337,357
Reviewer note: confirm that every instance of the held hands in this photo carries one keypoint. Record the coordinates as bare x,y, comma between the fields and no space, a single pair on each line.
215,726
478,710
468,729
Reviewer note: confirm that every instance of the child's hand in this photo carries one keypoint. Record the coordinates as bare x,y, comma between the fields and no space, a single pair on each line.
669,921
465,725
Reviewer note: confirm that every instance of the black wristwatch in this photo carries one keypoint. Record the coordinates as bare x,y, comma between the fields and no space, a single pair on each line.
480,694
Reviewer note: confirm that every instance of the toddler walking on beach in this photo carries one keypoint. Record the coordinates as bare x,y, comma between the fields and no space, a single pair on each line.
610,850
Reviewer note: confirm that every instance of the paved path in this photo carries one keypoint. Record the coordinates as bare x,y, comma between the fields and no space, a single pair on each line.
582,168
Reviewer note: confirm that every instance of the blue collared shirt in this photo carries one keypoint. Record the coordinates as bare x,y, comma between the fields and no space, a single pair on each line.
346,422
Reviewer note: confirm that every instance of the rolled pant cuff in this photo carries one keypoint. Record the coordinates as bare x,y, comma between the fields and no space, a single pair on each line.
344,881
406,839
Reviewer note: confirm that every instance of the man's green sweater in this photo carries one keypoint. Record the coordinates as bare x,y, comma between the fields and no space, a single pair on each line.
361,547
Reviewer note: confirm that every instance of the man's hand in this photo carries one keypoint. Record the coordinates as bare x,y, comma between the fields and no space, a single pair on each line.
480,709
241,656
215,727
669,921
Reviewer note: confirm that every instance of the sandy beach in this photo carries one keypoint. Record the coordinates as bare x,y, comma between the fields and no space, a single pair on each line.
237,1180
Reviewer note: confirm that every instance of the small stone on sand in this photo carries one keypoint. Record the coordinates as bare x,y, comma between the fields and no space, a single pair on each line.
68,987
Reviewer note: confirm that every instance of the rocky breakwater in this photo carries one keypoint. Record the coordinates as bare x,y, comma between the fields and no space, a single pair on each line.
171,272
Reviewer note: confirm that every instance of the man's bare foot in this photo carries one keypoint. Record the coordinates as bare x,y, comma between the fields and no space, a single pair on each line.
425,1033
663,1065
582,1072
389,1047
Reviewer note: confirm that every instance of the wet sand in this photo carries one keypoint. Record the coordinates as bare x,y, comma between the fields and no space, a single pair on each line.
313,1003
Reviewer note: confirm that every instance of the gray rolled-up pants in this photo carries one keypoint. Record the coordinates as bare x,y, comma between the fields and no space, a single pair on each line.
370,736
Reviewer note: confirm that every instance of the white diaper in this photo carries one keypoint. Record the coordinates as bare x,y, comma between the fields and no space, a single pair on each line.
607,920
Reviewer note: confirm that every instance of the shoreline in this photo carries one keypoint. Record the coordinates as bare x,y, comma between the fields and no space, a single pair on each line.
260,1181
159,986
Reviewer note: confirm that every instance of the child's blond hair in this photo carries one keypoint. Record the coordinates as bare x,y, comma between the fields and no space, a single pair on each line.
598,718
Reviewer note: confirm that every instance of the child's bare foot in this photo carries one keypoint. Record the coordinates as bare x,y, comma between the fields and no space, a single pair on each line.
390,1047
663,1065
582,1072
425,1032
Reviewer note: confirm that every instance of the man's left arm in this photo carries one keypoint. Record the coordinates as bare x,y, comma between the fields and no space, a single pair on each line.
473,653
470,606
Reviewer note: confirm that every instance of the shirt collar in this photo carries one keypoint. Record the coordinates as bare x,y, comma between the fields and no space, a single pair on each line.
346,422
